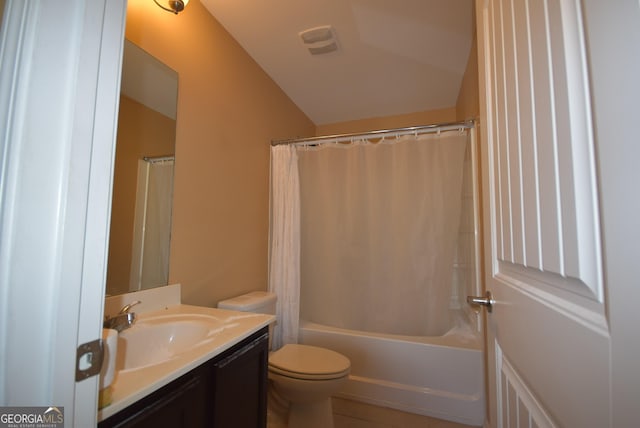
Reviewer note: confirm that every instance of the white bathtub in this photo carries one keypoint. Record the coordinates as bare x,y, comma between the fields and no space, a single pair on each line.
441,377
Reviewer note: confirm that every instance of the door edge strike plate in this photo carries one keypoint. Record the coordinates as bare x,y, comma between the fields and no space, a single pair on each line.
89,358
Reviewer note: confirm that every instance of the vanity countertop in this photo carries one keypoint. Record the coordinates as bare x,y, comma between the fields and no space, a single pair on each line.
130,386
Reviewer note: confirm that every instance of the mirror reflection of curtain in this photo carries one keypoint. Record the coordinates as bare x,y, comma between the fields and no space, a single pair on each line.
379,225
152,226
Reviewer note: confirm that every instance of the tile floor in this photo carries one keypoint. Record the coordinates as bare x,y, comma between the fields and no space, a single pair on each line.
353,414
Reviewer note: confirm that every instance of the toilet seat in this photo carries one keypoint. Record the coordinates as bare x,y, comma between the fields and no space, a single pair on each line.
308,363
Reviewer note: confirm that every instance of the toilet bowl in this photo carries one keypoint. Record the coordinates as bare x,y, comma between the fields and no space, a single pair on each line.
305,376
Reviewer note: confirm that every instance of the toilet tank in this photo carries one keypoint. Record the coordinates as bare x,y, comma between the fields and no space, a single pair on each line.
259,302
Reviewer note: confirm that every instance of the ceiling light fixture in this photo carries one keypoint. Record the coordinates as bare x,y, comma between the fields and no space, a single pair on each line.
173,6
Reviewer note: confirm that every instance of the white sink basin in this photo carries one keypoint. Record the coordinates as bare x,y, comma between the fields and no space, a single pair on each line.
165,343
155,340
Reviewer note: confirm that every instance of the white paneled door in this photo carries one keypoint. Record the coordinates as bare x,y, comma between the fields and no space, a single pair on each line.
59,93
548,338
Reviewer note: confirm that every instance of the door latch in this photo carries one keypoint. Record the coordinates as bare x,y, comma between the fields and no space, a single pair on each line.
486,300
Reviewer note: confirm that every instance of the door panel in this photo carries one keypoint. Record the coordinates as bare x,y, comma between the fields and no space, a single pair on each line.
520,407
57,115
548,335
542,151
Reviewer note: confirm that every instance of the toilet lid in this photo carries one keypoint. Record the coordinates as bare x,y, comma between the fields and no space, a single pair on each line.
308,362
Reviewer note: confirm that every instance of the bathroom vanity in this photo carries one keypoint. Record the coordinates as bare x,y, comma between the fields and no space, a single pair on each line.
188,366
227,391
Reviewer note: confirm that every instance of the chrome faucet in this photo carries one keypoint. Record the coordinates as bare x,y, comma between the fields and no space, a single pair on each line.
123,319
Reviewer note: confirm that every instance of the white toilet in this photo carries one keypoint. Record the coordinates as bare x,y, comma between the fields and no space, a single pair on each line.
306,376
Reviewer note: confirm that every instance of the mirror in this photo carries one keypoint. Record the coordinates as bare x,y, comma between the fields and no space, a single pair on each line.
1,13
143,174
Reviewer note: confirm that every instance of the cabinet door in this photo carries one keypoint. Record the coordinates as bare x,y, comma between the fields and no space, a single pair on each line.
240,386
178,404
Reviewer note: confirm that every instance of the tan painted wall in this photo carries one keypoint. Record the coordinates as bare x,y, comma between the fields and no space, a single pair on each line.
141,132
228,111
468,104
388,122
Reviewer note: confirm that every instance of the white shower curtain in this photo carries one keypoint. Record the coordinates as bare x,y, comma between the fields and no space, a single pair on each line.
152,224
379,225
284,251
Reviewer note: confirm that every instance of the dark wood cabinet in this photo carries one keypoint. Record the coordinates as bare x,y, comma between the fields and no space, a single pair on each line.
239,393
228,391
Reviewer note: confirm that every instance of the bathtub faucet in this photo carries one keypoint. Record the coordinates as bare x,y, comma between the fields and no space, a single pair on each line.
123,320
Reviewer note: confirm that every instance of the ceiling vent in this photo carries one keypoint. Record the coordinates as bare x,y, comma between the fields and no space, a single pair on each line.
319,40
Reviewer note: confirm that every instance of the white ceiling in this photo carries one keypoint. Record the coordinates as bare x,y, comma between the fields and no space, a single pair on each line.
394,56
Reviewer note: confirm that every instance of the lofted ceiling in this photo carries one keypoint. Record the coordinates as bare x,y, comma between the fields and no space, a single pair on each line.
393,57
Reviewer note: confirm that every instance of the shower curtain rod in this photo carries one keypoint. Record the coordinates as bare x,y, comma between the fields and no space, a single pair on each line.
153,159
396,132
